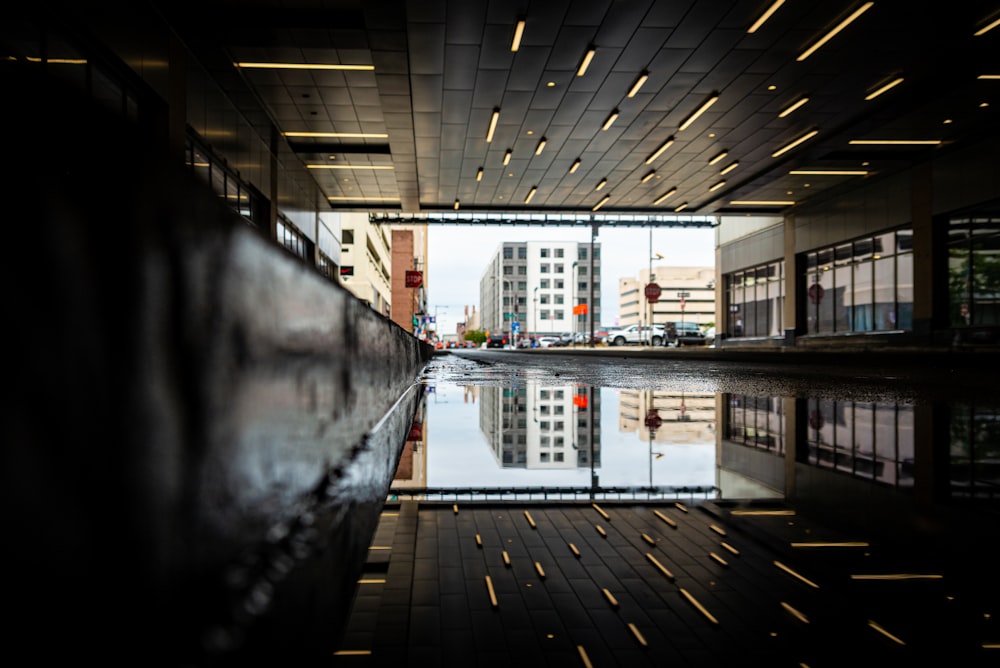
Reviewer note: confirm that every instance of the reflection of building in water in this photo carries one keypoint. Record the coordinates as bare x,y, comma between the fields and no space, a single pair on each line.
540,427
860,453
667,417
411,471
866,440
751,450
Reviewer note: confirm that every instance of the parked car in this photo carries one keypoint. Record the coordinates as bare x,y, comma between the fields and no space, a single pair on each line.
710,336
526,342
634,335
684,333
547,341
497,340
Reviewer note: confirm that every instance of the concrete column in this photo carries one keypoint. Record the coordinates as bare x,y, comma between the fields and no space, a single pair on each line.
791,282
926,272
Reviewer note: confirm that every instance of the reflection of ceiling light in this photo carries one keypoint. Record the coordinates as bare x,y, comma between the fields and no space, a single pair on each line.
611,119
601,203
585,63
493,124
882,89
663,147
730,167
895,142
600,185
303,66
699,111
765,16
988,76
574,166
718,157
479,174
349,167
987,28
648,176
717,186
665,195
506,157
793,144
638,84
829,172
518,33
531,193
760,202
342,135
840,26
792,107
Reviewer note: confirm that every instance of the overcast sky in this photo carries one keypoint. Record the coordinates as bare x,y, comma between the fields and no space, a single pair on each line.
458,255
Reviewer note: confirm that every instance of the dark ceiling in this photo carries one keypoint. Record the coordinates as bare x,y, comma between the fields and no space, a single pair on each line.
441,68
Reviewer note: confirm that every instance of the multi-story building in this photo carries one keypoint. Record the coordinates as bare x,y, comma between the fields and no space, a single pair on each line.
546,287
366,264
686,294
409,255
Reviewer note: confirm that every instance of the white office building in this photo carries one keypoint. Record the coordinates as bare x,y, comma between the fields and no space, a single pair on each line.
537,284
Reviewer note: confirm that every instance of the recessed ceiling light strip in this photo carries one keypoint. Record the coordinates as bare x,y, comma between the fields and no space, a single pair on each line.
643,76
506,157
304,66
585,63
349,167
717,186
600,185
574,166
712,99
342,135
895,142
730,167
664,196
878,91
531,193
680,207
518,34
765,16
663,147
718,157
793,144
494,119
829,172
601,203
760,202
988,27
840,26
541,145
479,174
792,107
610,120
648,176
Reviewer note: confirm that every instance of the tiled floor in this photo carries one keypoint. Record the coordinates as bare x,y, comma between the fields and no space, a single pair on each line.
648,584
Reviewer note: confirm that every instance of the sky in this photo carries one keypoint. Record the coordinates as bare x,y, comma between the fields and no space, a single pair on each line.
458,255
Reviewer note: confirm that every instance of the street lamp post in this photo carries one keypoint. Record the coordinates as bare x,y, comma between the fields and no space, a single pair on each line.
534,314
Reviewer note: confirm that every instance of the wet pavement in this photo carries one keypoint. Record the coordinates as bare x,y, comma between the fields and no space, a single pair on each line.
624,508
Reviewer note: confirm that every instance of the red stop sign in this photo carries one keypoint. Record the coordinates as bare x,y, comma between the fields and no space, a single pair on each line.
652,292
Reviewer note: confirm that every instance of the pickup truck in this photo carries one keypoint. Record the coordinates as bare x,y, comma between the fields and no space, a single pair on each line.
631,335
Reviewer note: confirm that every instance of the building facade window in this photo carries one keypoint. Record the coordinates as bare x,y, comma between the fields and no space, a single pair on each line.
974,271
862,285
522,253
756,299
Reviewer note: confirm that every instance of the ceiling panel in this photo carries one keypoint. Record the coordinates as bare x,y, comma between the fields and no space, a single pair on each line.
441,66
